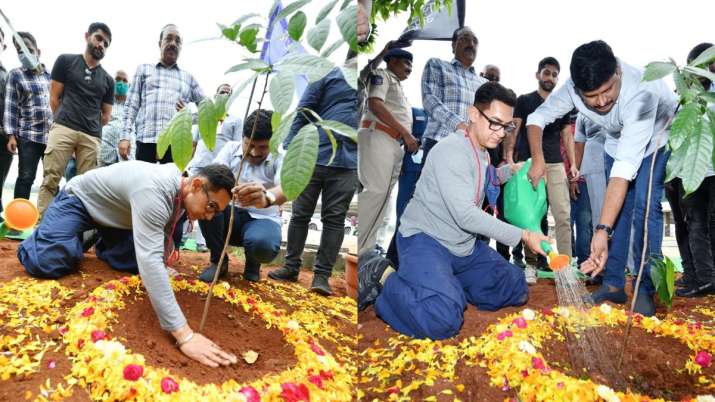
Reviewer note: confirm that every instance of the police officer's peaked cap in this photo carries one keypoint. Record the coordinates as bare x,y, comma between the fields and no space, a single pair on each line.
397,53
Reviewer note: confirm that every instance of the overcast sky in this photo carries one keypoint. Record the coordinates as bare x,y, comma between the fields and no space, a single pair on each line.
515,35
59,27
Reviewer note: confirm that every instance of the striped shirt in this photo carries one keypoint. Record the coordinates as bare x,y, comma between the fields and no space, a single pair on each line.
108,152
447,92
27,105
151,102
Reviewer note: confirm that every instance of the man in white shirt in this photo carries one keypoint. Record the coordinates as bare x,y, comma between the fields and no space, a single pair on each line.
634,115
257,230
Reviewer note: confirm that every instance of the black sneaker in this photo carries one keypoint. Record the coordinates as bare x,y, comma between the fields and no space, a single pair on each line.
609,293
284,274
321,285
695,290
684,283
208,274
252,275
371,266
645,304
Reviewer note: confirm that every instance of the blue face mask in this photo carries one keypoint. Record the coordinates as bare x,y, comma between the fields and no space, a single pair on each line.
28,62
121,88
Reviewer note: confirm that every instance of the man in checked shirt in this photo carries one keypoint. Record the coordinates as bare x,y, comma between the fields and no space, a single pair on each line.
448,89
158,91
27,114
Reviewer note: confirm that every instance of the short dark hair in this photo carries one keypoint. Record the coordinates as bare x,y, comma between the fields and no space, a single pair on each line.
460,29
549,61
223,85
264,131
161,33
592,64
697,50
220,177
25,35
491,91
96,26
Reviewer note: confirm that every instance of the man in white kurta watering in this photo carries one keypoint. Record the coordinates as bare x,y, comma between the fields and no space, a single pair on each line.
633,113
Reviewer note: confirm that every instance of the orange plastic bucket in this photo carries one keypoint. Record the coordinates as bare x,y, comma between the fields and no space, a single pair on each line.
21,214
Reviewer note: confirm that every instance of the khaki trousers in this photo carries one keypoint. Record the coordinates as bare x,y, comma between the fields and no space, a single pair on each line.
557,191
379,164
62,143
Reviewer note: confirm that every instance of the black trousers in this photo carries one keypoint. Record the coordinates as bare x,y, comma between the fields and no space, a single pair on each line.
674,194
699,210
336,187
146,152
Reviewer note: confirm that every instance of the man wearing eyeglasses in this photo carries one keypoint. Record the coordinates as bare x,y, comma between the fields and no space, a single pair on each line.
634,115
386,124
443,266
256,229
134,206
158,92
81,98
520,148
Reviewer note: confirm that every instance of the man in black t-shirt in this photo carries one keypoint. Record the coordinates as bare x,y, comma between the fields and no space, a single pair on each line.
81,98
518,148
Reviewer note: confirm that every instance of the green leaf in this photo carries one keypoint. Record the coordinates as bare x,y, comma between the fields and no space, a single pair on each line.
281,90
238,89
164,140
660,276
684,123
299,161
657,70
681,86
706,57
290,9
314,67
280,133
319,34
700,71
312,113
182,145
325,11
208,122
242,18
708,96
230,33
347,3
275,122
340,128
675,162
351,76
348,27
330,49
670,278
699,157
247,39
220,102
296,25
252,64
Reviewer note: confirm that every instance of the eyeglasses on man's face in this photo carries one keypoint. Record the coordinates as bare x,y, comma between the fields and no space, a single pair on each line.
496,126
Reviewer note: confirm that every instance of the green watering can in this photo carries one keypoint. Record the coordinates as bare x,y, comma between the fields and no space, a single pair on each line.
525,207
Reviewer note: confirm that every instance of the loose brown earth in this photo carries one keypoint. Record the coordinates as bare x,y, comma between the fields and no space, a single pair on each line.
650,362
228,327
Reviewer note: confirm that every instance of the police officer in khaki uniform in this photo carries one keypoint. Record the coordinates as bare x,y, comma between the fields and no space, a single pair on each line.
386,124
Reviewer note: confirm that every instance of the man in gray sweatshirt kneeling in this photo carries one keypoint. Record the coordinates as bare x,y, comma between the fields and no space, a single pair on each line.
442,265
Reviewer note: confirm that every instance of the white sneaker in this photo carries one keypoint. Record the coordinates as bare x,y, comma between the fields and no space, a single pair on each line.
530,273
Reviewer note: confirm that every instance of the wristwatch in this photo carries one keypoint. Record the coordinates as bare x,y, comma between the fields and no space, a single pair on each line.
270,198
606,228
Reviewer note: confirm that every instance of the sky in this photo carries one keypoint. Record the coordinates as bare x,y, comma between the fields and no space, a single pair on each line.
59,27
515,35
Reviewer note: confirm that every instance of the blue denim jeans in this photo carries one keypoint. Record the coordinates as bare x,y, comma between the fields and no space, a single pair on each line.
632,215
581,219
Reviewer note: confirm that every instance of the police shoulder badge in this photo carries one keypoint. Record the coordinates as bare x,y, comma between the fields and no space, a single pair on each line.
376,79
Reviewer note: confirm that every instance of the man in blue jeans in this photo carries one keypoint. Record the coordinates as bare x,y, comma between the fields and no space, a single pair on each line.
634,114
334,181
257,230
443,266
